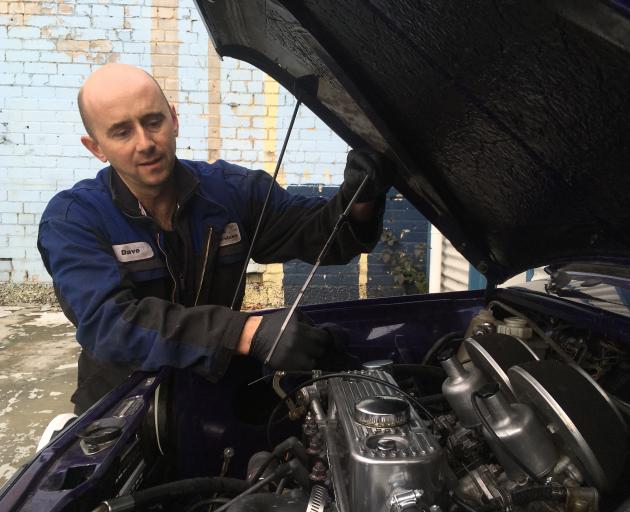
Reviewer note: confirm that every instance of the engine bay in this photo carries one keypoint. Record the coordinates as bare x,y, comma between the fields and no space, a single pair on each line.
509,414
514,409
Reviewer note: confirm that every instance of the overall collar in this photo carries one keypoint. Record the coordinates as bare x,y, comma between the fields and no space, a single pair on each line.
185,182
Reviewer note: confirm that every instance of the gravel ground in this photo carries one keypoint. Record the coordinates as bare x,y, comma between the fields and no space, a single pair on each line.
33,294
38,361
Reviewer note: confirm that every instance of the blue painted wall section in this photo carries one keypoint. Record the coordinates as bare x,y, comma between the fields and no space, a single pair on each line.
341,282
330,283
410,229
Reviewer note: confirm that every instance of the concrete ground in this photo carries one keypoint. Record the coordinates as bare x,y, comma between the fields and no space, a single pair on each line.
38,364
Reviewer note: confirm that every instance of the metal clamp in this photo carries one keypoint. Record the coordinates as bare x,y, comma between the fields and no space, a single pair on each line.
407,500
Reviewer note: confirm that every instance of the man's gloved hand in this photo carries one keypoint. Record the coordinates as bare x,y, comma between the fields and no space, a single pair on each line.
300,347
337,358
366,161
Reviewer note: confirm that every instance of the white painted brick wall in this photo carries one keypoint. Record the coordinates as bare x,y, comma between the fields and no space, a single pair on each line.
46,51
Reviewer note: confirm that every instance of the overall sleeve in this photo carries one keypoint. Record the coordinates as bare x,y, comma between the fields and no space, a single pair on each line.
297,227
113,325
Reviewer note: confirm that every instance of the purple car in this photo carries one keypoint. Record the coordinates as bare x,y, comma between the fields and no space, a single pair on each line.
509,123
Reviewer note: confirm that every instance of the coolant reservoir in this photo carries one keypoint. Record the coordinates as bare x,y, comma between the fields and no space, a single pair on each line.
521,432
458,388
515,326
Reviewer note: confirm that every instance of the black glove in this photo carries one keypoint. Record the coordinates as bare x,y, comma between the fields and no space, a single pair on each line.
300,347
361,162
337,358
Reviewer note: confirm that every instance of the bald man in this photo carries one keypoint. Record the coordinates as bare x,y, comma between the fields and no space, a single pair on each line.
146,257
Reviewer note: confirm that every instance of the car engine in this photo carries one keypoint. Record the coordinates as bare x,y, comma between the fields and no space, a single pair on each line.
517,432
382,455
507,416
379,441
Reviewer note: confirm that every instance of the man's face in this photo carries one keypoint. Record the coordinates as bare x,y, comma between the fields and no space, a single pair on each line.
133,128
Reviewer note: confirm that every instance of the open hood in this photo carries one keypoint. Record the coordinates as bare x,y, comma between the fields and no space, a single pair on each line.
509,121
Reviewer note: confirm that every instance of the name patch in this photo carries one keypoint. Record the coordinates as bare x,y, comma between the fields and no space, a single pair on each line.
231,235
133,252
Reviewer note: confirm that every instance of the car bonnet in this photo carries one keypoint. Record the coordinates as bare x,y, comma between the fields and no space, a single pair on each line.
507,121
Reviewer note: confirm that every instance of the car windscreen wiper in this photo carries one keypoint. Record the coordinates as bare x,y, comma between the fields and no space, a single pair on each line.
567,285
558,279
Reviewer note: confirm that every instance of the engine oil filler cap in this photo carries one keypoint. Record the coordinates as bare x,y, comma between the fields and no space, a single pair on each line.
101,433
382,412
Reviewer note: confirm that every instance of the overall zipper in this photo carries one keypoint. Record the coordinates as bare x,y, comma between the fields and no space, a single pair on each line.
203,269
168,267
157,236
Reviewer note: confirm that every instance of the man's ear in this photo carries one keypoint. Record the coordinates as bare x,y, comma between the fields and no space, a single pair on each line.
174,118
93,147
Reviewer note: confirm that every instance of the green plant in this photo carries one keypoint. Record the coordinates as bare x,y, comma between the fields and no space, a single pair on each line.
407,270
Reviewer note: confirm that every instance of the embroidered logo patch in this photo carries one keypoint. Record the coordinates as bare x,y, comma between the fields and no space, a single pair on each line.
133,252
231,235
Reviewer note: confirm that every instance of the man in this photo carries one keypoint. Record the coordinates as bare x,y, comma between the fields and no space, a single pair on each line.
145,258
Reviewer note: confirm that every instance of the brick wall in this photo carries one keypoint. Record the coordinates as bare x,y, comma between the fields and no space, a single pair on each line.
410,229
344,282
227,109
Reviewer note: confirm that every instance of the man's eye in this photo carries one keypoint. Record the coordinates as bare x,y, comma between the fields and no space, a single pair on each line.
154,123
120,134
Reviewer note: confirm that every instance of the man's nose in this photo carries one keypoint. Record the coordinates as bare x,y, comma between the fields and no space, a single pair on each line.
144,141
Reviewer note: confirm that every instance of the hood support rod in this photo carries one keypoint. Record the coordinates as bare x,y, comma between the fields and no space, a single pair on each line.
306,85
340,220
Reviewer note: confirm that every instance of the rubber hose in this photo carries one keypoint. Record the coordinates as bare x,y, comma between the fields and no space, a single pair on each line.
539,493
261,469
447,338
203,486
268,503
292,445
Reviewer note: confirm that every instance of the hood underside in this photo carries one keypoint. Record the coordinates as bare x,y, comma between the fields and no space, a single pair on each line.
508,121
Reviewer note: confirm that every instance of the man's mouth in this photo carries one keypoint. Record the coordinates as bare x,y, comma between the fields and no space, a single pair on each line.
151,162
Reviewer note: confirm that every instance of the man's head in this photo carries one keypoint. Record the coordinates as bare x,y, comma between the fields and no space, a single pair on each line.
130,124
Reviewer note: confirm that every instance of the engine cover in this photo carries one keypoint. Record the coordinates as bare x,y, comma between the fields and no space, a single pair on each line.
376,462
